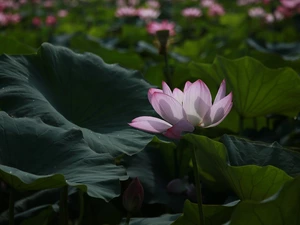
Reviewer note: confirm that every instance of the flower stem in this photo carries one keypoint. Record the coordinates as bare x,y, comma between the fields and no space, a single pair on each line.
198,188
167,71
81,206
176,164
128,218
63,206
11,207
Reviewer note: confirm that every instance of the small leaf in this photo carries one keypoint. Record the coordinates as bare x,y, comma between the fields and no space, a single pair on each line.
282,208
214,214
248,182
244,152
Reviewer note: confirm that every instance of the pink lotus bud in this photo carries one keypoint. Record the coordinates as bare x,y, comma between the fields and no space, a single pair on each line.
50,20
133,196
36,21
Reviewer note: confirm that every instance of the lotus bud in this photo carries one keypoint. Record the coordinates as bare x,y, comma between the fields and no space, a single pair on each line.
163,40
133,196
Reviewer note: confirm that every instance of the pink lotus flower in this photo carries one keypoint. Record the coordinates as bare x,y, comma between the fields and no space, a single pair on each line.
153,4
36,21
148,14
154,26
182,111
126,12
50,20
291,4
62,13
207,3
256,12
191,12
216,10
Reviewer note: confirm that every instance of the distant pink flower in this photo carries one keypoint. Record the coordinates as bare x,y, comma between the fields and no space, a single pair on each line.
191,12
14,18
207,3
290,3
50,20
153,4
183,110
126,12
3,19
48,4
148,14
266,2
286,12
22,2
271,18
36,21
120,3
133,3
247,2
62,13
154,26
257,12
216,10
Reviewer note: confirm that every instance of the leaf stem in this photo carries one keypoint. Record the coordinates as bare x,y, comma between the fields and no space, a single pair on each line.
241,124
11,207
128,218
198,188
63,206
81,206
176,164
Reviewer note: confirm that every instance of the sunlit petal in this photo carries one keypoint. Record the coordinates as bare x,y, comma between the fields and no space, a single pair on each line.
187,85
221,92
218,112
166,89
197,101
167,107
178,95
150,124
151,91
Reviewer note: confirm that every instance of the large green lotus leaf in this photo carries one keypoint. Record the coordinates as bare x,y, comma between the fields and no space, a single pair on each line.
281,208
77,90
214,214
12,46
243,152
36,156
257,90
248,182
85,43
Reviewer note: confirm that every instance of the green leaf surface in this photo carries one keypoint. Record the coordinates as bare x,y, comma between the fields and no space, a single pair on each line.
36,156
282,208
244,152
249,182
257,90
214,214
11,46
77,91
